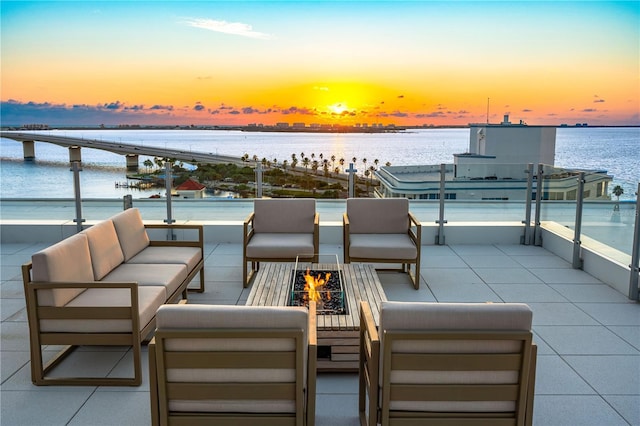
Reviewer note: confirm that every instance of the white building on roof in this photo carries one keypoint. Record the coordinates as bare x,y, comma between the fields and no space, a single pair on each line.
494,168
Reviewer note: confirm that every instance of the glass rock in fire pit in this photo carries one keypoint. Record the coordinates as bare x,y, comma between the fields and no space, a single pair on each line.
321,282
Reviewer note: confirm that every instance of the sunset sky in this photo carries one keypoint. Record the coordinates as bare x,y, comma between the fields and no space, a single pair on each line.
241,62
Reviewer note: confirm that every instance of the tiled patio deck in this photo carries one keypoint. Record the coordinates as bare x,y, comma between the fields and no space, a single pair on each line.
588,336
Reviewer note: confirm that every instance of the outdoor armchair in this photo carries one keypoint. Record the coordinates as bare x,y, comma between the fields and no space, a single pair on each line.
382,230
279,230
447,364
233,365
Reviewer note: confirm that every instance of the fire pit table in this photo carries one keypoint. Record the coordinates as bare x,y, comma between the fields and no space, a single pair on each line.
338,332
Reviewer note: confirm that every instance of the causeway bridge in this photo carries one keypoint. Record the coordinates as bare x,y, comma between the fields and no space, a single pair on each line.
130,151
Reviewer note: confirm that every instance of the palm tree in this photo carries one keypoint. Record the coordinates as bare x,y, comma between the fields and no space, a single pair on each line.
617,191
314,166
333,161
341,161
148,164
305,163
388,163
285,164
364,164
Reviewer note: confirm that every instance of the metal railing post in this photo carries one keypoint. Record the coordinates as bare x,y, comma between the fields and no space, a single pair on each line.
258,180
577,261
351,185
76,189
168,179
127,202
527,209
441,221
537,232
635,253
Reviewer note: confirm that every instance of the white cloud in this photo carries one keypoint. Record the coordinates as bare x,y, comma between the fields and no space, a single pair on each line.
233,28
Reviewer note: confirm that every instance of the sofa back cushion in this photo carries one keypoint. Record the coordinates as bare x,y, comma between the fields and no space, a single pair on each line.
131,232
104,247
284,215
378,215
66,261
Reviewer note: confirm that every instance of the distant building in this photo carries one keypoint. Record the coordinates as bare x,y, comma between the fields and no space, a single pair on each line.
494,168
191,189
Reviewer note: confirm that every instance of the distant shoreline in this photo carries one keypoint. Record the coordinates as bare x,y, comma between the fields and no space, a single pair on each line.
292,129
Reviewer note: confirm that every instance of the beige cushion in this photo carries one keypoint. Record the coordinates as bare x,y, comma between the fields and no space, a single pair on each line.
378,215
172,317
274,246
104,247
382,246
169,276
66,261
449,317
131,232
149,300
284,215
189,256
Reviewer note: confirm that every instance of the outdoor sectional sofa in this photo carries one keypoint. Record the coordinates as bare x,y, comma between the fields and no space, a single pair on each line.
103,286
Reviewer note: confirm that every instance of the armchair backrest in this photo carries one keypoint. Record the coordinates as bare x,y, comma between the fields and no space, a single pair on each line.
378,215
231,359
464,357
284,215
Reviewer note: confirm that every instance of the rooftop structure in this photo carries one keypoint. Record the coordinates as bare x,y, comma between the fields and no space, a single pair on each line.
495,167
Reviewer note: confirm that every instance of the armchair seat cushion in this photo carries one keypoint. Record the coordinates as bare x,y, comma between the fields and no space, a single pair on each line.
149,300
382,246
280,245
168,276
189,256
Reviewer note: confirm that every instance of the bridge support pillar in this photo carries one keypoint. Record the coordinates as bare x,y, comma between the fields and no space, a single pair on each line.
132,162
75,154
29,150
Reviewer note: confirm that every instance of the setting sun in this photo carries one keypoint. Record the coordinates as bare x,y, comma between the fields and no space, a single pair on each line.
338,108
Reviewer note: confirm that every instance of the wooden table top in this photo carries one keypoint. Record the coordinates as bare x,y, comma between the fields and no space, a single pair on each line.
271,287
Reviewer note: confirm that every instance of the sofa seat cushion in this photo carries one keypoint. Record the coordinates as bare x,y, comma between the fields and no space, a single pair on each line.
189,256
150,298
66,261
382,246
278,246
104,246
168,276
131,232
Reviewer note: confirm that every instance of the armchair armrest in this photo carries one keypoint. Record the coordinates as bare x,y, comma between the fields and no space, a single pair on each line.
312,364
415,234
248,227
369,365
345,238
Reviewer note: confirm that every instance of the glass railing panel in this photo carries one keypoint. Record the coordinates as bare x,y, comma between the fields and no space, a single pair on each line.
605,220
486,192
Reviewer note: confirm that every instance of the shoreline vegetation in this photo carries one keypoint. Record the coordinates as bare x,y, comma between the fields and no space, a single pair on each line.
323,178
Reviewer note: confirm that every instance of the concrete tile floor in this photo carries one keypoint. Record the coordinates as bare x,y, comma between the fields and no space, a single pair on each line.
588,336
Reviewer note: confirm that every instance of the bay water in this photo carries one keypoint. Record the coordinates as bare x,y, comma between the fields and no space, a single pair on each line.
614,149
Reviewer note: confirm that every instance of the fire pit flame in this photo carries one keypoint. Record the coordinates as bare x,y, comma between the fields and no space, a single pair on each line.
313,285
